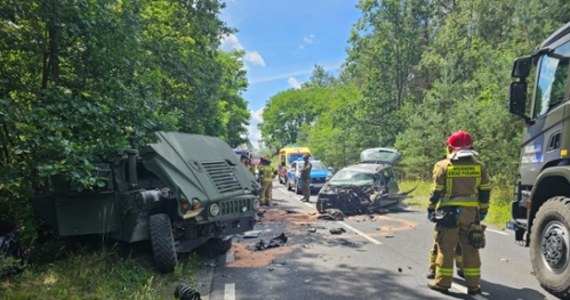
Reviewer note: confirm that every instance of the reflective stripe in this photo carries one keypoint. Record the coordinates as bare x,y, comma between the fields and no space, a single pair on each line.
438,187
485,187
444,271
472,271
463,203
484,205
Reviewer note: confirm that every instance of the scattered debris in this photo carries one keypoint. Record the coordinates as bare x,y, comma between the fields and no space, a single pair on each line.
185,292
409,268
400,270
339,230
312,230
306,246
277,241
505,260
332,214
347,243
372,217
251,234
291,211
279,262
312,213
261,214
308,280
378,228
389,236
270,269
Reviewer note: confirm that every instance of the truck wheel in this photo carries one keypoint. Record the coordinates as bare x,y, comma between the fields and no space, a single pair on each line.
162,242
550,246
320,206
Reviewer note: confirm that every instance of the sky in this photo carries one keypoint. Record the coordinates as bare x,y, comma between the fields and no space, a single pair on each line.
283,41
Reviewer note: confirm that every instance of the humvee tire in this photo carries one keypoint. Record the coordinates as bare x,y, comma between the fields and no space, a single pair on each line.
162,242
550,246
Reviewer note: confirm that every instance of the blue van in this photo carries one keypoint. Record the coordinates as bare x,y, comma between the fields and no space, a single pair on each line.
319,176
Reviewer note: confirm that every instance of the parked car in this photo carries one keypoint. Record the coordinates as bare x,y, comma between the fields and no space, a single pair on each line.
319,176
366,187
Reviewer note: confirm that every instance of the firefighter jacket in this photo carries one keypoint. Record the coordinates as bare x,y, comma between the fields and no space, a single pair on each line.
460,181
266,173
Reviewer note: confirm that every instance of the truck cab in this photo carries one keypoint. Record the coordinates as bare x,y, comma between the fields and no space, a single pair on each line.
541,208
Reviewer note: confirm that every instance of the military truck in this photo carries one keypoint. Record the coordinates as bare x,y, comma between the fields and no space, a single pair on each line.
541,208
179,192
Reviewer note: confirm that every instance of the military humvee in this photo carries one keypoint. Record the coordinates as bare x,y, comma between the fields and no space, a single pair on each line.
179,192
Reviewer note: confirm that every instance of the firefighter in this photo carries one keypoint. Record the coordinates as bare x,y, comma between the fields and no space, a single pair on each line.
461,192
306,178
266,180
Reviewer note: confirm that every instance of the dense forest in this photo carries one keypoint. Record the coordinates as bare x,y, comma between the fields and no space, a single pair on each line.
418,70
82,80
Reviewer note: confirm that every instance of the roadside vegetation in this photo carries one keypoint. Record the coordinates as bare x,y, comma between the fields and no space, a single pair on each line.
102,273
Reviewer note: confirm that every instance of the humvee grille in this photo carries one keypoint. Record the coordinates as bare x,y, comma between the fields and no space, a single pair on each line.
222,176
234,206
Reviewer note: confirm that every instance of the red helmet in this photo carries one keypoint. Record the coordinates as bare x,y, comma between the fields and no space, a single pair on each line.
460,140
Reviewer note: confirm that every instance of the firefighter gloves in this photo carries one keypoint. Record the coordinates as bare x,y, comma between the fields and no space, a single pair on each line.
476,235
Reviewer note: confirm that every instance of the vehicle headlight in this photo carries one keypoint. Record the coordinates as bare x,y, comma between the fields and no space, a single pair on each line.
214,209
329,176
255,204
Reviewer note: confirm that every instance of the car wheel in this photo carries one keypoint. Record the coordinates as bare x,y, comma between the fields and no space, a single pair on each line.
550,246
162,242
297,188
320,206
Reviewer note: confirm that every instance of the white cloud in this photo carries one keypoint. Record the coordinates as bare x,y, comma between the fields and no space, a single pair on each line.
301,47
254,133
230,42
293,82
255,58
309,39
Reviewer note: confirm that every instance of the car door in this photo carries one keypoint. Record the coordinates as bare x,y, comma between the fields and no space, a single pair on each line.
291,172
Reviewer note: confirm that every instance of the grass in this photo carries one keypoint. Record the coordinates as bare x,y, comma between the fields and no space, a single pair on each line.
98,274
499,211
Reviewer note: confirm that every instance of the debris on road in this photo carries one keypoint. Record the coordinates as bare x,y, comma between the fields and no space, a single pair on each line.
185,292
339,230
291,211
251,234
277,241
312,230
389,236
332,214
505,260
347,243
279,262
400,270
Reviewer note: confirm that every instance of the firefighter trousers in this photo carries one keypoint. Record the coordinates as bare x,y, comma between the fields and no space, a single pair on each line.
266,193
447,240
306,187
433,256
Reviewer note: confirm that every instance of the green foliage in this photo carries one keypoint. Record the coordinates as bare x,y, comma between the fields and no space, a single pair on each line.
103,274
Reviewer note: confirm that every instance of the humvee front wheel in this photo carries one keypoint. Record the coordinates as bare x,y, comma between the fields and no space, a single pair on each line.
550,246
162,242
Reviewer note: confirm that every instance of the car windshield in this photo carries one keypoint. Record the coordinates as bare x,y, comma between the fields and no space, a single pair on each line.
317,165
294,157
379,155
352,177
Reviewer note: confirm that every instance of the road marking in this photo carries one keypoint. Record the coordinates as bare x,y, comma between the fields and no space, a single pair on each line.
362,234
308,204
230,257
497,231
230,291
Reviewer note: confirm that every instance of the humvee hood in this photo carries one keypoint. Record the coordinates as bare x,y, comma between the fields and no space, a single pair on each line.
197,166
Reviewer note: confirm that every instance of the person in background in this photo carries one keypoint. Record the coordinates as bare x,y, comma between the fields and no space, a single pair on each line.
266,179
306,178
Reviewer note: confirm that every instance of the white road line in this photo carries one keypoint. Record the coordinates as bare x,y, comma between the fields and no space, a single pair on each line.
497,231
230,257
308,204
362,234
230,291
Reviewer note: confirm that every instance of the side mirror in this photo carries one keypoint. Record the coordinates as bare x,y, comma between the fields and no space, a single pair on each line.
331,169
517,100
521,67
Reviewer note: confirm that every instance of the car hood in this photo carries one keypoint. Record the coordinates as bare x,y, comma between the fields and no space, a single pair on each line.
197,166
319,173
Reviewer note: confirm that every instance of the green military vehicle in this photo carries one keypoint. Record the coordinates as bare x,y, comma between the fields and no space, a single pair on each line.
179,192
541,209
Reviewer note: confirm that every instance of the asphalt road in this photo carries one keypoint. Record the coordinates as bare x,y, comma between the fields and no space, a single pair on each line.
380,257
